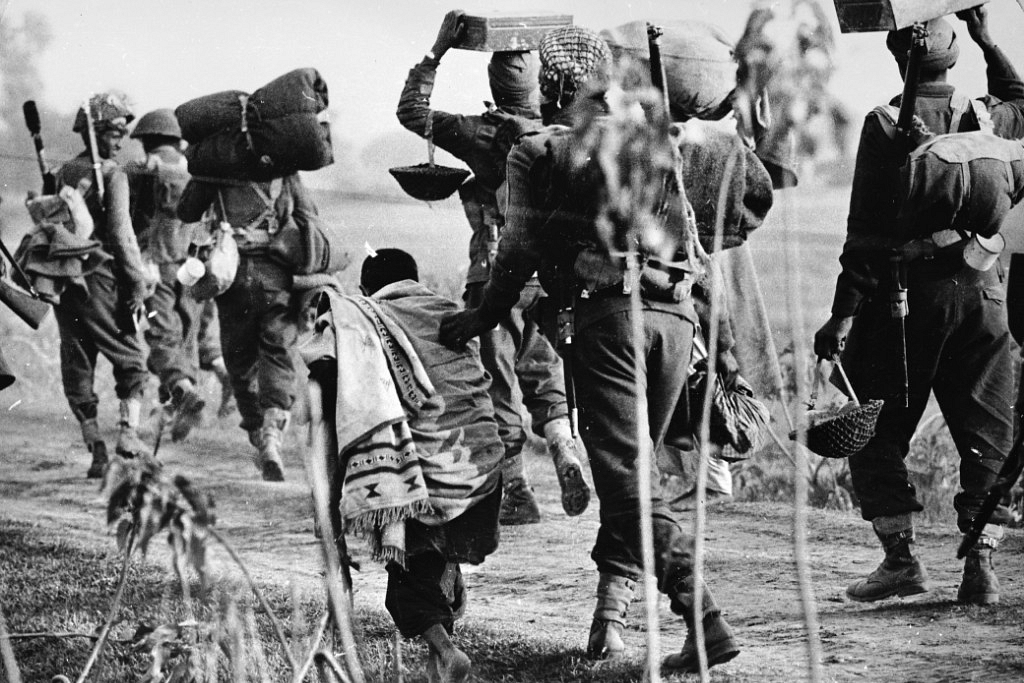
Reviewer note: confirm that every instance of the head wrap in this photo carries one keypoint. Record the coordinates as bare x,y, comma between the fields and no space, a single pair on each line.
941,41
513,79
570,57
109,110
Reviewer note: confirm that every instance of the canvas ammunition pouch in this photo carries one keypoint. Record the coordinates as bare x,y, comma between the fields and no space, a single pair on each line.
601,274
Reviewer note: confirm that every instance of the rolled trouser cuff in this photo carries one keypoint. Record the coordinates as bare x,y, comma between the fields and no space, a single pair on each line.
886,525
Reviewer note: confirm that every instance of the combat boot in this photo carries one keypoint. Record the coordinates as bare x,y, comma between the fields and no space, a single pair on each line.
900,572
518,504
980,586
227,393
562,448
98,449
614,593
129,445
271,434
720,644
188,409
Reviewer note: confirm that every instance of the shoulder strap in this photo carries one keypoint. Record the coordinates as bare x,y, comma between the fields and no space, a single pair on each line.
269,211
984,117
888,115
958,105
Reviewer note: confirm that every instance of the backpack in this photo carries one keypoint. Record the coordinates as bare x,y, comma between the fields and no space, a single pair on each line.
888,115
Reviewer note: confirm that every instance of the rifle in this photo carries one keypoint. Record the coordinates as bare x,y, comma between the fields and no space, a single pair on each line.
658,79
28,306
1008,475
904,125
35,128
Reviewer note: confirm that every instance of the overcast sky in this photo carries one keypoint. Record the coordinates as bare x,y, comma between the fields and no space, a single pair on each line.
163,53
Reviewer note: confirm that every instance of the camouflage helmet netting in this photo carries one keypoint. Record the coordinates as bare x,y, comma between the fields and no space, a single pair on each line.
110,110
569,57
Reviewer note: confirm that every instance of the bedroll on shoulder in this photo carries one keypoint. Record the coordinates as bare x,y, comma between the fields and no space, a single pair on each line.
279,129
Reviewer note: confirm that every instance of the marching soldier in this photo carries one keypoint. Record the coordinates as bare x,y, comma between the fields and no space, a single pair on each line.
957,340
515,353
551,230
157,184
101,317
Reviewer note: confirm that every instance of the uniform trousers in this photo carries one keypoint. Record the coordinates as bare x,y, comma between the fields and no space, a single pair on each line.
604,369
524,369
258,331
88,327
173,330
958,346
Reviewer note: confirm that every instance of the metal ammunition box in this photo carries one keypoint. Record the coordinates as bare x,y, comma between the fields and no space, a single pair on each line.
885,15
508,31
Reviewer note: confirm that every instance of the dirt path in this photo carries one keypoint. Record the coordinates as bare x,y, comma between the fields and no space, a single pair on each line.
541,581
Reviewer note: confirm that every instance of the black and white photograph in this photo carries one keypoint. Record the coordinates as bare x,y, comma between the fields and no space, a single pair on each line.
506,341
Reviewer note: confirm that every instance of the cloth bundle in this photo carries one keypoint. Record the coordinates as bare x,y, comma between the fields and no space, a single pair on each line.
700,71
708,152
277,130
59,251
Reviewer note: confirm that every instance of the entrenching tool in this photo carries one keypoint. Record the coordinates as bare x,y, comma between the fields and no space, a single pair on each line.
34,125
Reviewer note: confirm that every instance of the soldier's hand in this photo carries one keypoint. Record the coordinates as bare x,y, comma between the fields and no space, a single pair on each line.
831,338
457,329
976,19
452,28
728,368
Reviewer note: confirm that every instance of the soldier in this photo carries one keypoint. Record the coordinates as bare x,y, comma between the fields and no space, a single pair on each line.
551,229
956,331
157,184
257,325
515,353
101,318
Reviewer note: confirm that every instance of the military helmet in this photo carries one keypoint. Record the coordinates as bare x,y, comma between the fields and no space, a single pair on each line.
571,56
158,122
109,110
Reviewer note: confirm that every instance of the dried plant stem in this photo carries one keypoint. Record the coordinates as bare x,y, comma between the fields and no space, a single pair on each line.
339,593
329,668
115,604
644,457
7,652
800,468
278,629
314,645
398,658
714,286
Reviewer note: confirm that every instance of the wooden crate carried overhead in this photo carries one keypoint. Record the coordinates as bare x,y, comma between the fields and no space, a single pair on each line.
508,31
857,16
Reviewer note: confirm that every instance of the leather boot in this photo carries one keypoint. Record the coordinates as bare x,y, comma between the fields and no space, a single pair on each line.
447,663
980,586
188,409
562,448
268,458
227,393
900,572
98,449
720,644
518,504
614,593
129,445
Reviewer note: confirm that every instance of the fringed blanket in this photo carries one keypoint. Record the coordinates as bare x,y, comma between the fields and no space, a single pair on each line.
400,463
